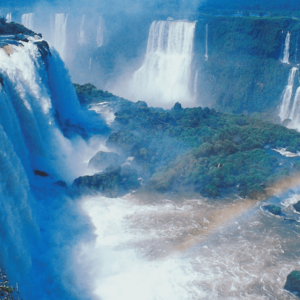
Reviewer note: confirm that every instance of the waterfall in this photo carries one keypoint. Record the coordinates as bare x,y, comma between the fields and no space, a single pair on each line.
81,31
296,50
8,18
284,111
206,43
100,32
90,64
196,84
286,52
295,112
165,75
36,98
27,20
60,34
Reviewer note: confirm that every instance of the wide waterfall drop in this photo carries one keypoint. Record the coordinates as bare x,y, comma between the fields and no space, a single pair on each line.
81,39
284,111
165,75
27,20
60,34
286,52
38,104
8,18
206,42
100,32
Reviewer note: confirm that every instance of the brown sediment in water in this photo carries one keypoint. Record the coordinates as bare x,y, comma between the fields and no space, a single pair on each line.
8,50
198,223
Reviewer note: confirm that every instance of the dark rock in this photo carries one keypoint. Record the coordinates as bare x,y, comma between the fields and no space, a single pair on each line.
177,106
297,206
113,182
43,48
40,173
293,283
275,210
103,160
61,183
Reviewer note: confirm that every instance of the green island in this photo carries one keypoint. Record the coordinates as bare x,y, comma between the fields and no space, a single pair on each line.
199,149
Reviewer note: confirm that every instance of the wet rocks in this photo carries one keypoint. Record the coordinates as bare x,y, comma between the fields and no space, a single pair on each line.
113,182
274,209
297,206
293,283
40,173
103,160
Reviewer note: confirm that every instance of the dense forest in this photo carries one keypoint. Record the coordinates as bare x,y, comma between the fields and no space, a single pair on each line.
198,149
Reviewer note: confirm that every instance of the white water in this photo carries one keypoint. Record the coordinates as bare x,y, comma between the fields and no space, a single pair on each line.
196,84
165,75
100,32
27,20
206,43
81,39
286,52
191,250
284,111
8,18
60,34
36,92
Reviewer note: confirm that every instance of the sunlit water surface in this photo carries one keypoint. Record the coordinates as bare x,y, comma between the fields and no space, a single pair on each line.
196,249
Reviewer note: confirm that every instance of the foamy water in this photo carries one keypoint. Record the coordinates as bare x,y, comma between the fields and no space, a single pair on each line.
197,249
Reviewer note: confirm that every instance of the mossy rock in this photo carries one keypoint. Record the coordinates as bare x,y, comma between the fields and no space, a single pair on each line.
297,206
293,283
274,209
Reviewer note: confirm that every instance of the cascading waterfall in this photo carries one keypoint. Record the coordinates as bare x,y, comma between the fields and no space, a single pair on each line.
196,84
286,52
295,112
90,64
27,20
296,50
284,111
82,32
206,43
100,32
8,18
35,91
165,75
60,34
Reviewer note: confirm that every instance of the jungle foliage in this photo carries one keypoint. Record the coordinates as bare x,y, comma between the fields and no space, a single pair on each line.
202,150
244,72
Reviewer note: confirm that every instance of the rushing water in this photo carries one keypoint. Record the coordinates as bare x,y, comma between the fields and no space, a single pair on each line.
100,32
286,52
60,34
27,20
8,18
206,42
285,108
81,39
194,249
165,75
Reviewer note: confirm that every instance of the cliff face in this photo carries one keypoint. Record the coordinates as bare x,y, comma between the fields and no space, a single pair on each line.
244,72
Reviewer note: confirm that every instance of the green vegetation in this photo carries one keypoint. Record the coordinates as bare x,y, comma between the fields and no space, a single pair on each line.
280,7
113,182
293,282
244,73
201,150
274,209
7,292
13,28
88,94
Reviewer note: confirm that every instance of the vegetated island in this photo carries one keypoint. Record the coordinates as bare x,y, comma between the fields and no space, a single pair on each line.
190,150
